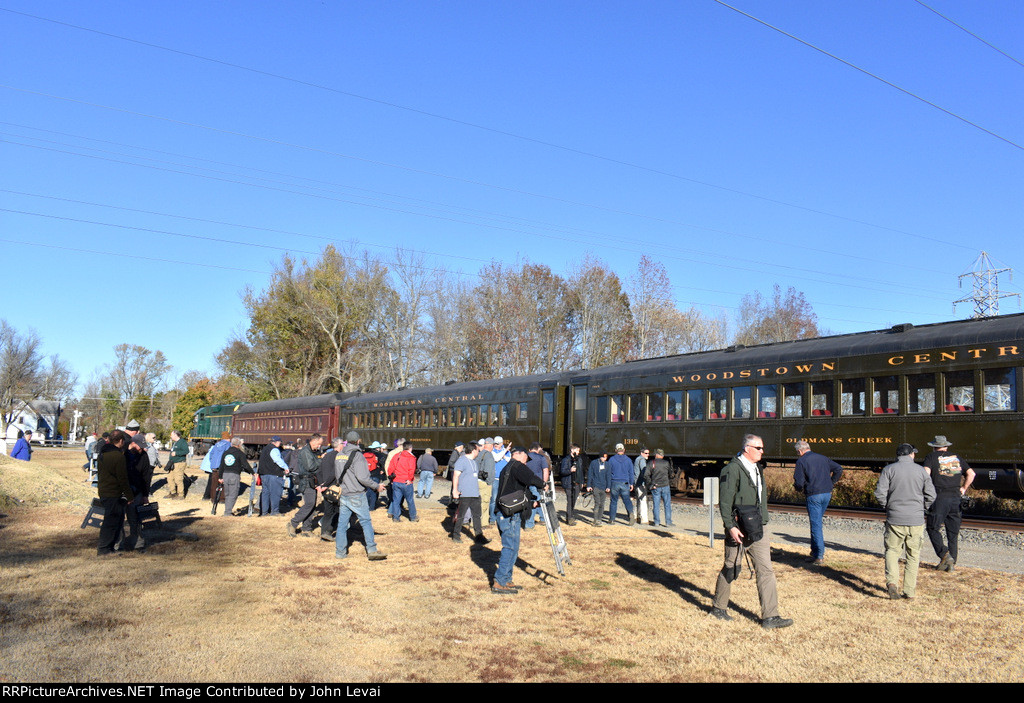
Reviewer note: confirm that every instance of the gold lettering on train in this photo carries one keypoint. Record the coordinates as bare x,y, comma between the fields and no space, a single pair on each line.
929,357
765,372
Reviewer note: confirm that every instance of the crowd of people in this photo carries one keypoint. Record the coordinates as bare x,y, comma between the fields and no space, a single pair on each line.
495,483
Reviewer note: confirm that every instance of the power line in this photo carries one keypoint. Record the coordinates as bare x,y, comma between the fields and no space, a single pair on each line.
960,26
479,213
872,75
447,118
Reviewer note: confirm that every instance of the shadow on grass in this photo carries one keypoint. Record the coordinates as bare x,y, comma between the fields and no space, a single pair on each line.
843,578
693,594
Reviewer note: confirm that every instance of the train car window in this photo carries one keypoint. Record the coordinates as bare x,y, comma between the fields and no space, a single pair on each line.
852,394
1000,390
921,393
718,407
636,407
463,416
495,415
524,411
655,407
579,398
822,398
885,398
506,413
696,404
356,421
548,401
768,401
600,409
960,392
792,400
617,408
473,416
742,399
675,406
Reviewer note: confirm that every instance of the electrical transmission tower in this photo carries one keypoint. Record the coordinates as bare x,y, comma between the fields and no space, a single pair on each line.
986,293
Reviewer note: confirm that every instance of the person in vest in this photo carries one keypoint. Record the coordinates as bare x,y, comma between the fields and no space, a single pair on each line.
272,470
176,467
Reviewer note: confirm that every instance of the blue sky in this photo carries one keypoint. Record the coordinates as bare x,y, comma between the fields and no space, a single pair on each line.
473,131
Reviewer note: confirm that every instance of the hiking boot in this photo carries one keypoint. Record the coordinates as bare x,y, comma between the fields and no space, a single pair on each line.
721,614
507,588
775,622
291,529
376,556
946,564
480,539
894,591
632,521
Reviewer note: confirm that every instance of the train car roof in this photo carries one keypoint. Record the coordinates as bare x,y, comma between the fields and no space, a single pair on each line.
464,388
311,401
1003,328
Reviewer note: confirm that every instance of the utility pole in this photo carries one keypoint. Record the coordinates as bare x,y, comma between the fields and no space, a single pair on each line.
985,295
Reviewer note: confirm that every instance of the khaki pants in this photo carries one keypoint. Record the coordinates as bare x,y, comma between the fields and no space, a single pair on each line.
485,498
761,554
176,479
898,538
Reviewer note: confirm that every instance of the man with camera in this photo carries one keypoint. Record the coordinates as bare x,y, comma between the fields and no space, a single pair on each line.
743,501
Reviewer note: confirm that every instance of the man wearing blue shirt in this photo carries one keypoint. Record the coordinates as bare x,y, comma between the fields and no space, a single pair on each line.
814,476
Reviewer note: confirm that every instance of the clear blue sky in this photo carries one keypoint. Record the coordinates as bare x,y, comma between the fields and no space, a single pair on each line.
736,155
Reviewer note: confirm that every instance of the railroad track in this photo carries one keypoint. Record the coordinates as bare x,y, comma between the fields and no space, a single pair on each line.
976,523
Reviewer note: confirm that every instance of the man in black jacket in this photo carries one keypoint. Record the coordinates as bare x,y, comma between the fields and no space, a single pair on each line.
114,491
514,477
305,476
325,477
573,476
232,464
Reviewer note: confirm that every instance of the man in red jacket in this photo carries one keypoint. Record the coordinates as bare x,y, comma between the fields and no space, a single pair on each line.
402,472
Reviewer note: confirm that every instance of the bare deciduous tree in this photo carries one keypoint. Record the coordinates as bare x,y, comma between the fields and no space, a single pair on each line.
780,319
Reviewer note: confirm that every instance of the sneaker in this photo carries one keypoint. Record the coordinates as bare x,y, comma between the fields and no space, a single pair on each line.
894,591
376,556
631,520
503,588
480,539
291,529
513,586
721,614
946,564
775,622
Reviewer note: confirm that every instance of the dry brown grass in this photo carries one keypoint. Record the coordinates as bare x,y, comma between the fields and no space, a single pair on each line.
246,603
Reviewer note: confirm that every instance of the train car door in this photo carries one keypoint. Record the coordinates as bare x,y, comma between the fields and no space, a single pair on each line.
576,411
552,414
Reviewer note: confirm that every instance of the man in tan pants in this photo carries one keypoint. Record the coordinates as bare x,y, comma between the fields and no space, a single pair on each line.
742,484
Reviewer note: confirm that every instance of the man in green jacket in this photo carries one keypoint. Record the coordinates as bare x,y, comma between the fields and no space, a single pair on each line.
742,483
176,466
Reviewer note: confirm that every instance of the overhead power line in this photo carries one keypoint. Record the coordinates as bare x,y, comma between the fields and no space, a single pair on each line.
448,118
873,75
960,26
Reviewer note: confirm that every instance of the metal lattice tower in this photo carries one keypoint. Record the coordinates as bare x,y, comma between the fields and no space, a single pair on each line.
986,293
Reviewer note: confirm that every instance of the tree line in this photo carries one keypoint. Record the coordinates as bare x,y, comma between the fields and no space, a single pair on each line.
351,323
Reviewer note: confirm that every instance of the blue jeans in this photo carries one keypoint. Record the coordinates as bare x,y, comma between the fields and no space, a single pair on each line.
535,514
619,489
662,495
402,491
816,505
509,528
426,484
270,496
349,506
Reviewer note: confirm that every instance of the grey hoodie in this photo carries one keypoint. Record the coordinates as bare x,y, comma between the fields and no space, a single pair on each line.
357,479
